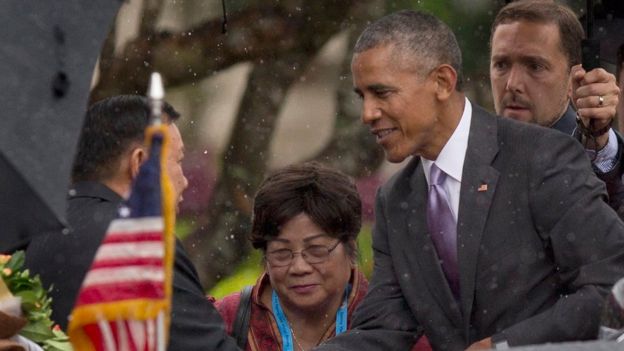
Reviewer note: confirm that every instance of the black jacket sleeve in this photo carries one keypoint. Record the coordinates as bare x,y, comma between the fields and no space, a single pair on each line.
195,323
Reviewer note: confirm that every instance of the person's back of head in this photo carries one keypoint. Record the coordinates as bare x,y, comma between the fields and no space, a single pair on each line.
419,38
111,128
571,31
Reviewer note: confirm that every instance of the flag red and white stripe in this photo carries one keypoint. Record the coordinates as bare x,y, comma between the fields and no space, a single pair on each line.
124,301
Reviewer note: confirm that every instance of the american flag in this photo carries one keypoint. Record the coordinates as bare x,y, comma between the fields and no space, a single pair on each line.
124,302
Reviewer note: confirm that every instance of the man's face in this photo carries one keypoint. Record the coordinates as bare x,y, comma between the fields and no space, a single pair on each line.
398,104
529,73
174,163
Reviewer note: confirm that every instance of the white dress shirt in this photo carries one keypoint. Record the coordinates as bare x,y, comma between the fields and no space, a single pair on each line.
451,159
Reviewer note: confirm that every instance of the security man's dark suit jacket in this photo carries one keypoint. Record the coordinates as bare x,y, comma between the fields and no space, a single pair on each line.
64,259
613,178
538,248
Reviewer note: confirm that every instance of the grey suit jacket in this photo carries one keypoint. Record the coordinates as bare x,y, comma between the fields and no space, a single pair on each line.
538,248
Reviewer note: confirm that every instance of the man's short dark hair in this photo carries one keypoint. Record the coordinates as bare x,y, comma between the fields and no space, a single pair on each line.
327,196
546,12
110,128
416,35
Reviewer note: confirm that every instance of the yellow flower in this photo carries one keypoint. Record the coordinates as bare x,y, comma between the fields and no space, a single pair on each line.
7,271
4,258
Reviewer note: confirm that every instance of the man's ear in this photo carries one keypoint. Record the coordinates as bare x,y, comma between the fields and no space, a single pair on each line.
445,78
137,157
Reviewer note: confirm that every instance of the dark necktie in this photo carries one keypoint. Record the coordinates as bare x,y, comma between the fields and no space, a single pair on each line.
442,227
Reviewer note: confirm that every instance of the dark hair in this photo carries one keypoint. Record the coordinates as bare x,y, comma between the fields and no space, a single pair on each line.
421,36
327,196
547,12
110,127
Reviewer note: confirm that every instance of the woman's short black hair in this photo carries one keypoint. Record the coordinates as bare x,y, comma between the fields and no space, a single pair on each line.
327,196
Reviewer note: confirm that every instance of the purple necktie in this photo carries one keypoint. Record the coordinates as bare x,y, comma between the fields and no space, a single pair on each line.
442,227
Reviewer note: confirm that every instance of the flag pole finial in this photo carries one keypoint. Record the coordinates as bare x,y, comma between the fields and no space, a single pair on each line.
156,94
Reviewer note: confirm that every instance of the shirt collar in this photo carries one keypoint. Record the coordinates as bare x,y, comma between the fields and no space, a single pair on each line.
451,157
567,122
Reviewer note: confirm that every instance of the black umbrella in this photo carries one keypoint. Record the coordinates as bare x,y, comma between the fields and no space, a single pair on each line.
47,54
605,24
611,35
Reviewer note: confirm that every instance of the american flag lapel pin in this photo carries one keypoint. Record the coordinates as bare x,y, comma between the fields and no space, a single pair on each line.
482,188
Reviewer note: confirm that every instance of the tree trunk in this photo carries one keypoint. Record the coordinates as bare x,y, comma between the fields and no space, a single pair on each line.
352,149
221,238
194,54
220,241
280,39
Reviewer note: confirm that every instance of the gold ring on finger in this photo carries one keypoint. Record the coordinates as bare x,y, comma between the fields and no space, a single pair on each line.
600,100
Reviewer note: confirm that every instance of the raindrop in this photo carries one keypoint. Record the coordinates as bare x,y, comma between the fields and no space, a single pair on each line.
124,212
60,84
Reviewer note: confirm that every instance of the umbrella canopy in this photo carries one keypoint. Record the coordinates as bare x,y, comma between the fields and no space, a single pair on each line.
48,51
610,35
607,25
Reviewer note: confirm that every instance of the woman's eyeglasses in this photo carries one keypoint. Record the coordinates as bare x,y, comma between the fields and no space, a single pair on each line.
312,254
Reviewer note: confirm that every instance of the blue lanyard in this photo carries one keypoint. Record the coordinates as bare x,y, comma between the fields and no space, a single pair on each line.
284,327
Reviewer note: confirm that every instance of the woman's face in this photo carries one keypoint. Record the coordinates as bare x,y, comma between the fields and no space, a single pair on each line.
303,285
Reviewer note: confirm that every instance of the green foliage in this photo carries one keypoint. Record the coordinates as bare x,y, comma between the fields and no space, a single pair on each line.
36,305
365,250
184,226
250,269
471,25
245,274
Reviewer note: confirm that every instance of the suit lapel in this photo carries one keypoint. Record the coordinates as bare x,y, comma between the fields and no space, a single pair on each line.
479,180
419,251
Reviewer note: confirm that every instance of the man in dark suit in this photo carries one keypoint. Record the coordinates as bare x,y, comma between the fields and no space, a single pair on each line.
109,155
535,69
495,233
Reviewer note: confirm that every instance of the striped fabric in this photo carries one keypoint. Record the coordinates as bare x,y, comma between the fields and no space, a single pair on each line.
124,301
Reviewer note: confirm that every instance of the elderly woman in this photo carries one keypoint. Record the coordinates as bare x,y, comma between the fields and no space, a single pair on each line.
305,220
